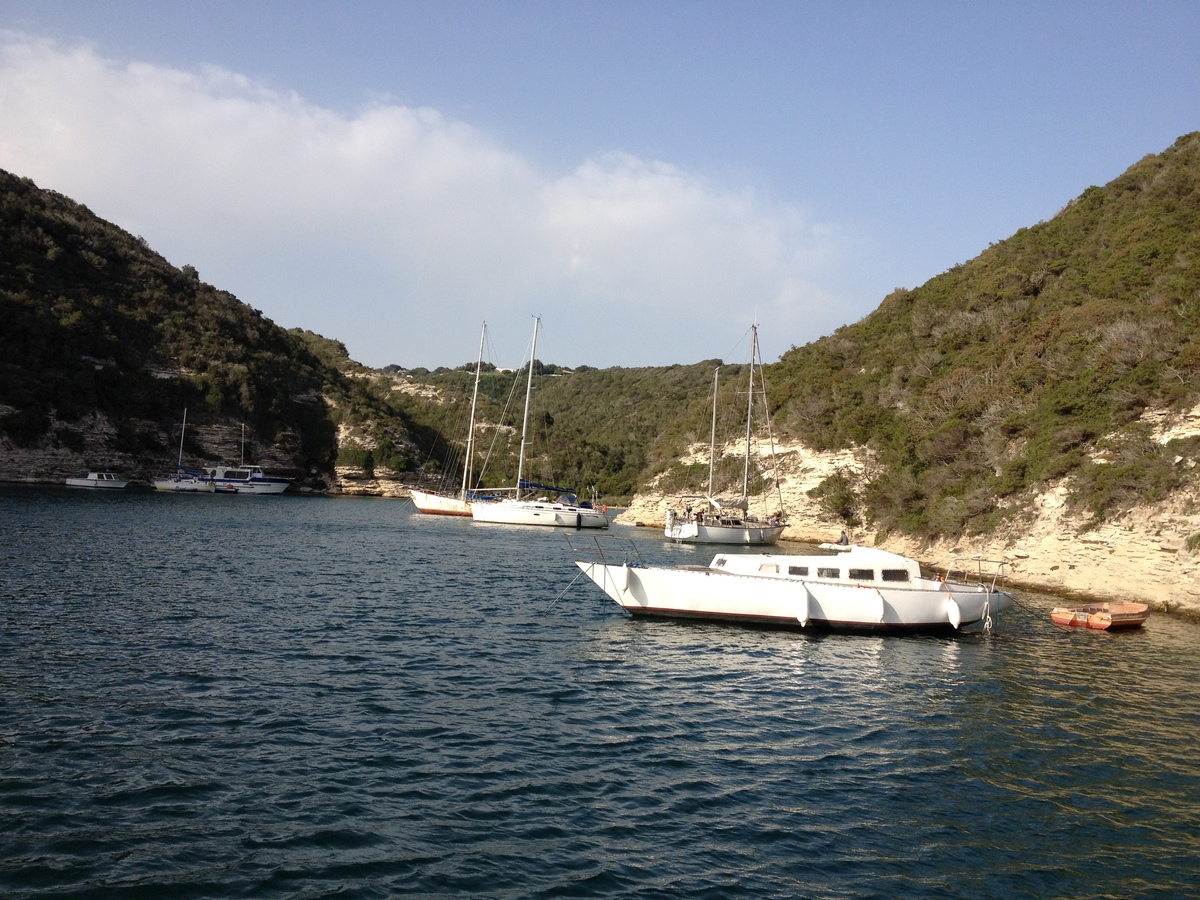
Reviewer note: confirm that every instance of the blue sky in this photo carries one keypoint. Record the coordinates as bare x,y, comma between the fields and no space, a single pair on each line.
649,177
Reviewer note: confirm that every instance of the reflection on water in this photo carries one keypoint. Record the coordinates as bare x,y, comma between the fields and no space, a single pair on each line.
292,696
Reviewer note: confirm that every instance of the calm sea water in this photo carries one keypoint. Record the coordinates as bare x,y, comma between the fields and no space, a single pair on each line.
206,696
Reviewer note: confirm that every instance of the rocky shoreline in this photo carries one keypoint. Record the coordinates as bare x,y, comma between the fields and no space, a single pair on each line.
93,439
1150,553
1145,555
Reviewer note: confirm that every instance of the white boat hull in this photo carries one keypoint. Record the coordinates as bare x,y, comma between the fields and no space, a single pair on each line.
750,534
245,480
217,481
186,485
698,592
535,512
439,504
251,486
102,480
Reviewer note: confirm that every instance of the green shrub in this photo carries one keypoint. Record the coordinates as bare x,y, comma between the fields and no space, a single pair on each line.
839,496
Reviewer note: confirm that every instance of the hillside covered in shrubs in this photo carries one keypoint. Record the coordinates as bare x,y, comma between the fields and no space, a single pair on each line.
95,323
1035,362
1032,362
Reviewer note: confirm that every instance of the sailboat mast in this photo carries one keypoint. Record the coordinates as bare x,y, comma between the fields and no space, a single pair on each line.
528,391
712,438
182,429
471,427
750,410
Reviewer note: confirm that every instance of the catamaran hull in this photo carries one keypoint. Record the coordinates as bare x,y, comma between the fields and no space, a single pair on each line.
439,505
695,533
554,515
704,593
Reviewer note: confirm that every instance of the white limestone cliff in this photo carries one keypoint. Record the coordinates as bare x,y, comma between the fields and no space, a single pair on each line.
1149,553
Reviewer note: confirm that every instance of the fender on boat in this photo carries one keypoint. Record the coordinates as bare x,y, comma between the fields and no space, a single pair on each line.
623,578
953,612
802,611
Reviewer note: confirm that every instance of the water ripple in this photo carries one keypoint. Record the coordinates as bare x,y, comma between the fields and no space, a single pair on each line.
294,697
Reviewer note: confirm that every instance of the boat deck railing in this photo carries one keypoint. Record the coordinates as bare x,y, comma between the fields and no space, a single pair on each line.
606,549
975,571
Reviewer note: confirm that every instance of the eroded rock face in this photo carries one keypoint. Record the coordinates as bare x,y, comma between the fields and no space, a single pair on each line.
1143,555
90,444
799,470
353,482
1146,554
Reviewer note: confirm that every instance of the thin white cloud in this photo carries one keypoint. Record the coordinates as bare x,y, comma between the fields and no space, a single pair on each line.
396,229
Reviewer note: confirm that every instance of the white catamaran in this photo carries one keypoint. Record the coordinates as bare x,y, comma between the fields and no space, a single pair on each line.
543,510
713,521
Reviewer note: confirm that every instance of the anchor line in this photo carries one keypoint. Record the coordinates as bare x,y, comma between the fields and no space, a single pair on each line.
564,590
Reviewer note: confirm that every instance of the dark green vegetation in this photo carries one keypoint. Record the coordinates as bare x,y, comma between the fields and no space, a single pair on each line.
594,429
1028,363
1033,362
95,321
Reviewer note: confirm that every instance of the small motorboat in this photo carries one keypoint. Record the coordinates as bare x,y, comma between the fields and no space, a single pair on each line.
1101,616
98,480
245,480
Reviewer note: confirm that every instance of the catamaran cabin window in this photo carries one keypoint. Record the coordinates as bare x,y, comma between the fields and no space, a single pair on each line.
895,574
797,570
862,574
829,573
769,568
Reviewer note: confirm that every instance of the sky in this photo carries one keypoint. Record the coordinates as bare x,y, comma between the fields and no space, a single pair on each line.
649,178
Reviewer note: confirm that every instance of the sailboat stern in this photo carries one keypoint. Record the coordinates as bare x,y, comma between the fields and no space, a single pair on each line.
970,607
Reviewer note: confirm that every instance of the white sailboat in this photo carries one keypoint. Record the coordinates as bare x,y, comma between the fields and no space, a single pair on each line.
441,503
713,521
185,481
543,510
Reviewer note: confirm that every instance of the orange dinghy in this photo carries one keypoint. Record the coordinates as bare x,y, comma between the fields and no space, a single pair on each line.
1101,616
